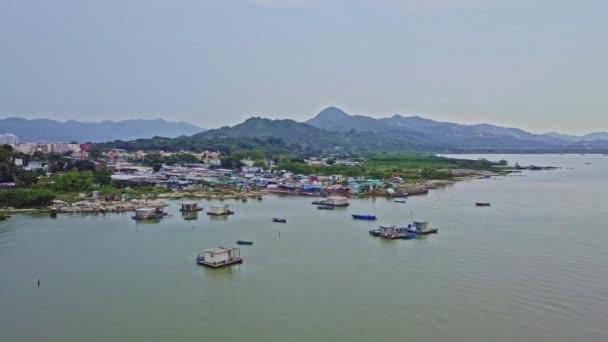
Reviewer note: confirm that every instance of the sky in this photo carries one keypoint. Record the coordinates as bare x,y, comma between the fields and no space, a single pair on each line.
540,65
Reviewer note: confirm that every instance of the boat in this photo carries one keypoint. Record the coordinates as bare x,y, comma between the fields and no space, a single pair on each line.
364,217
279,220
482,204
192,206
219,257
392,233
408,236
244,242
190,218
420,228
325,207
145,214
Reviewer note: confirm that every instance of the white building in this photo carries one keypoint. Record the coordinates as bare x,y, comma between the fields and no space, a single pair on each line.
9,139
26,148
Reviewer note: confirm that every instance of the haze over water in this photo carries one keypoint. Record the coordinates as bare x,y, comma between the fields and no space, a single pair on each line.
532,267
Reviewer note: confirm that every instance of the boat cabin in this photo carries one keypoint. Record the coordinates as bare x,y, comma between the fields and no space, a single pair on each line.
337,201
191,206
220,210
148,213
392,232
219,256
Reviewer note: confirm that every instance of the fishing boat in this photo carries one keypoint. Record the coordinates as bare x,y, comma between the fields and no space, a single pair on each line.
482,204
279,220
408,236
364,217
392,233
244,242
191,206
145,214
325,207
219,257
421,228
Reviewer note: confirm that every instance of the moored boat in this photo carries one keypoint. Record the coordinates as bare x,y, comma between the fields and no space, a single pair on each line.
279,220
144,214
325,207
421,228
482,204
374,232
364,217
244,242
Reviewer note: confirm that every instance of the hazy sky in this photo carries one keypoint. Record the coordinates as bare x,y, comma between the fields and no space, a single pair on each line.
536,64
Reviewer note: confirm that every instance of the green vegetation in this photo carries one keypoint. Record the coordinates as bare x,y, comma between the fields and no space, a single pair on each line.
3,216
26,198
73,181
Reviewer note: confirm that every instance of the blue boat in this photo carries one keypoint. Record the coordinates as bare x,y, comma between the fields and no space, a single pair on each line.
409,236
365,217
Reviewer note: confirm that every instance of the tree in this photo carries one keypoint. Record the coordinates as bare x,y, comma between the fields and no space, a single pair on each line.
81,165
73,181
102,176
25,179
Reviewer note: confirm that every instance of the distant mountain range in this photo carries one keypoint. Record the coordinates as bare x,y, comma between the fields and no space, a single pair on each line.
45,130
331,129
454,135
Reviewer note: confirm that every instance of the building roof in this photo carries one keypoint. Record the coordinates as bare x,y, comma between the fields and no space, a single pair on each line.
216,250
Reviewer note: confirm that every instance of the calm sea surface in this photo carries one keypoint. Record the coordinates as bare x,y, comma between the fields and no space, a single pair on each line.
532,267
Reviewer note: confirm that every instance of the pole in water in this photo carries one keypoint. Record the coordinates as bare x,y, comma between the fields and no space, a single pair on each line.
38,282
279,235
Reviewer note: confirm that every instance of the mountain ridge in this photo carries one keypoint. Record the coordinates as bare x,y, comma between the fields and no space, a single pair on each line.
48,130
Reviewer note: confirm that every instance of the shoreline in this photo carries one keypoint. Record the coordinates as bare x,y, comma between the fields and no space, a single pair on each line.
100,206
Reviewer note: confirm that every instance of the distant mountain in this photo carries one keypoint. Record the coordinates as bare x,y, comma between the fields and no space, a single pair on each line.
587,137
442,133
44,130
334,130
312,138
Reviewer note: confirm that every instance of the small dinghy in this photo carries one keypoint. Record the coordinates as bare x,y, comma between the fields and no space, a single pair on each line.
244,242
365,217
482,204
279,220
